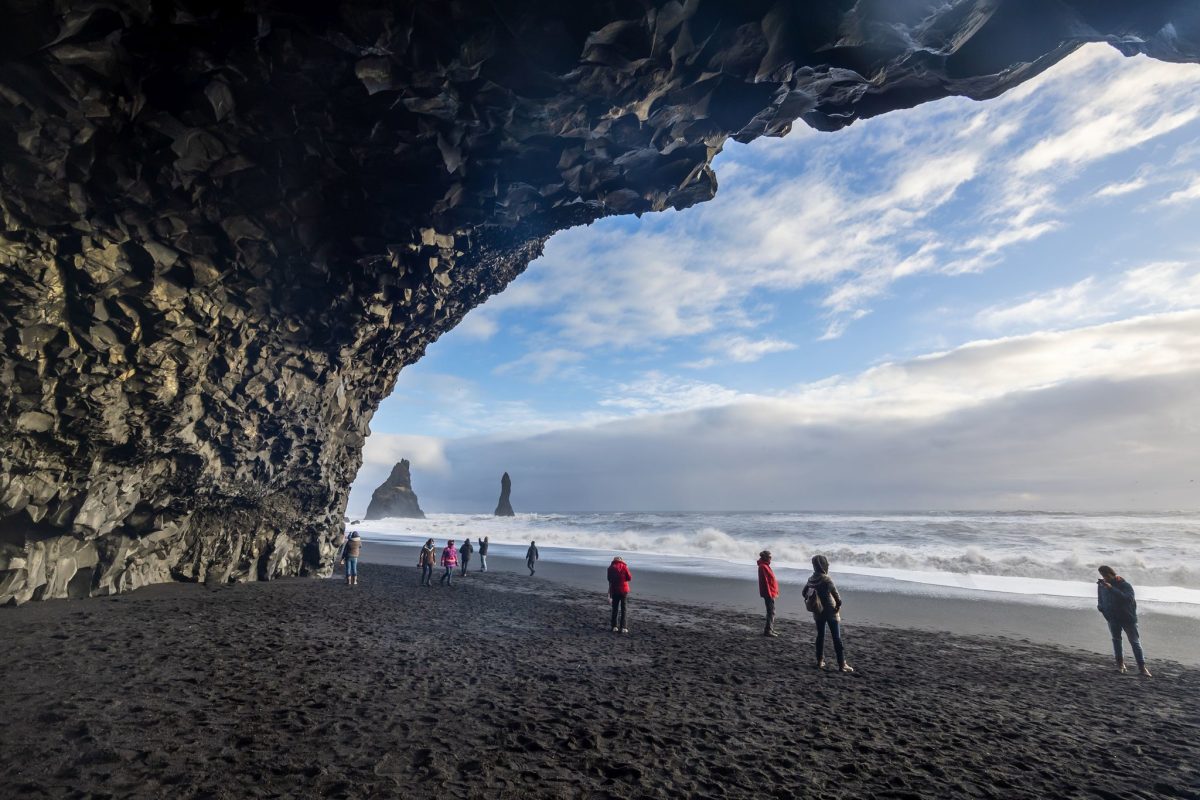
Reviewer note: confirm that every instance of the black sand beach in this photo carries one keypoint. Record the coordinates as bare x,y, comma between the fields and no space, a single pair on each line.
507,686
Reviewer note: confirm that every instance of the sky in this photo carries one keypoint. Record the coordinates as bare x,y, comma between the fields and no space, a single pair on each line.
966,305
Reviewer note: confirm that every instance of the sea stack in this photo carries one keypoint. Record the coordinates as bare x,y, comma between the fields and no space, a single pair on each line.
504,507
395,497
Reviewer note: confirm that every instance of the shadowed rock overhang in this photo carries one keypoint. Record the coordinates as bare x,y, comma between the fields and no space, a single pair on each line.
225,227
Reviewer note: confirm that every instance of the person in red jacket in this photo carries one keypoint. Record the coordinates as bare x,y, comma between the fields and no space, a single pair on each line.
768,589
618,590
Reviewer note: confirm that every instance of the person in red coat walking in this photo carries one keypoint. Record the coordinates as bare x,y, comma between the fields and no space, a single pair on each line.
618,590
768,589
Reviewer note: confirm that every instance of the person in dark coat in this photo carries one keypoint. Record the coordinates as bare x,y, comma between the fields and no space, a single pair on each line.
768,590
822,599
531,556
1115,600
464,554
483,548
619,577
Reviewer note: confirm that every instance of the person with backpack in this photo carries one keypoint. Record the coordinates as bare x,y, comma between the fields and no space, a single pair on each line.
425,561
483,548
350,557
449,561
1116,601
618,591
464,553
768,590
822,599
531,556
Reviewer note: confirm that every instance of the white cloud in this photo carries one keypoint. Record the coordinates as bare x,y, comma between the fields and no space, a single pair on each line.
1124,187
741,350
657,393
1186,194
541,364
1151,288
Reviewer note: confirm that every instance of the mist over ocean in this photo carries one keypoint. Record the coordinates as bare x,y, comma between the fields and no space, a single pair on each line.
1045,557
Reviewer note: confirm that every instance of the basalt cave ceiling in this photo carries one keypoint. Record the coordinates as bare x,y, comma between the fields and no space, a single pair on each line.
226,226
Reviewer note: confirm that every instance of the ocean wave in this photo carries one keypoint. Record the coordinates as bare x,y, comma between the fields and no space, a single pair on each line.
916,544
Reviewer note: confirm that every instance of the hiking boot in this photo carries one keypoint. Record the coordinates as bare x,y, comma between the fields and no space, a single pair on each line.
616,629
1121,668
1145,671
626,630
821,664
770,633
846,668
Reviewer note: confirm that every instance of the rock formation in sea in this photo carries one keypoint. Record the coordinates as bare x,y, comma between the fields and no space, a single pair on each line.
395,496
504,506
225,227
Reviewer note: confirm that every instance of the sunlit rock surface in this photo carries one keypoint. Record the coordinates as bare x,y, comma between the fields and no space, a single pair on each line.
224,228
504,504
395,496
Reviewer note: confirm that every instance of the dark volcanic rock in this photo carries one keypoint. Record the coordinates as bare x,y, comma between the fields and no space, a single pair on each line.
225,227
504,506
395,496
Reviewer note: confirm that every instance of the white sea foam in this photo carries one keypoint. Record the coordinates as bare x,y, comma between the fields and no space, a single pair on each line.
1052,555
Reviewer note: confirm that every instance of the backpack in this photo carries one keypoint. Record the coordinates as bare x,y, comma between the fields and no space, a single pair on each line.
812,599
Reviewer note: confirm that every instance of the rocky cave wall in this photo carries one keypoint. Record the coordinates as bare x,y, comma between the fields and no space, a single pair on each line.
226,226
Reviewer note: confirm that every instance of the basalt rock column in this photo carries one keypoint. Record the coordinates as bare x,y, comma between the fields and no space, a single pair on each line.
504,506
225,227
395,496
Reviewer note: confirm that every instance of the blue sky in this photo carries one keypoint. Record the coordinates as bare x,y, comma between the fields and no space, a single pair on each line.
873,288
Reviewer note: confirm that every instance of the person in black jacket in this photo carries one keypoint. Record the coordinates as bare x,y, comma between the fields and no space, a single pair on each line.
531,556
464,554
483,548
1116,601
822,599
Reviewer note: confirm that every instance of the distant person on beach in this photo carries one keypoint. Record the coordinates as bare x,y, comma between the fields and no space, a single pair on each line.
822,599
483,548
531,556
618,591
426,561
464,554
768,590
350,557
1116,601
449,561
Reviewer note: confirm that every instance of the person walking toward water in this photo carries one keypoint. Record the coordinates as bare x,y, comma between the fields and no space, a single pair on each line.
483,548
618,591
1116,601
449,561
350,558
768,590
426,561
464,554
822,599
531,556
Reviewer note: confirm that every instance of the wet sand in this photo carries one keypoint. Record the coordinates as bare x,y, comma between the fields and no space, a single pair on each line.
506,686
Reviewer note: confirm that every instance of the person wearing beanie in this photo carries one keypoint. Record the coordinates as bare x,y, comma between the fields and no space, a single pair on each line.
822,599
768,590
1115,600
449,561
350,557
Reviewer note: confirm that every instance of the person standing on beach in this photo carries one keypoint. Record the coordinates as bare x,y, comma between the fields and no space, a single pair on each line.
449,561
464,553
618,591
1116,601
483,548
531,556
822,599
768,590
350,557
426,561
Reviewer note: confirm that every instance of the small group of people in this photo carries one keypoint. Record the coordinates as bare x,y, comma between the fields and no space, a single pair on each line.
459,557
821,599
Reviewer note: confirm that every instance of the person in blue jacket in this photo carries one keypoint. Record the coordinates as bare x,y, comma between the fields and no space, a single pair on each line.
1116,601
